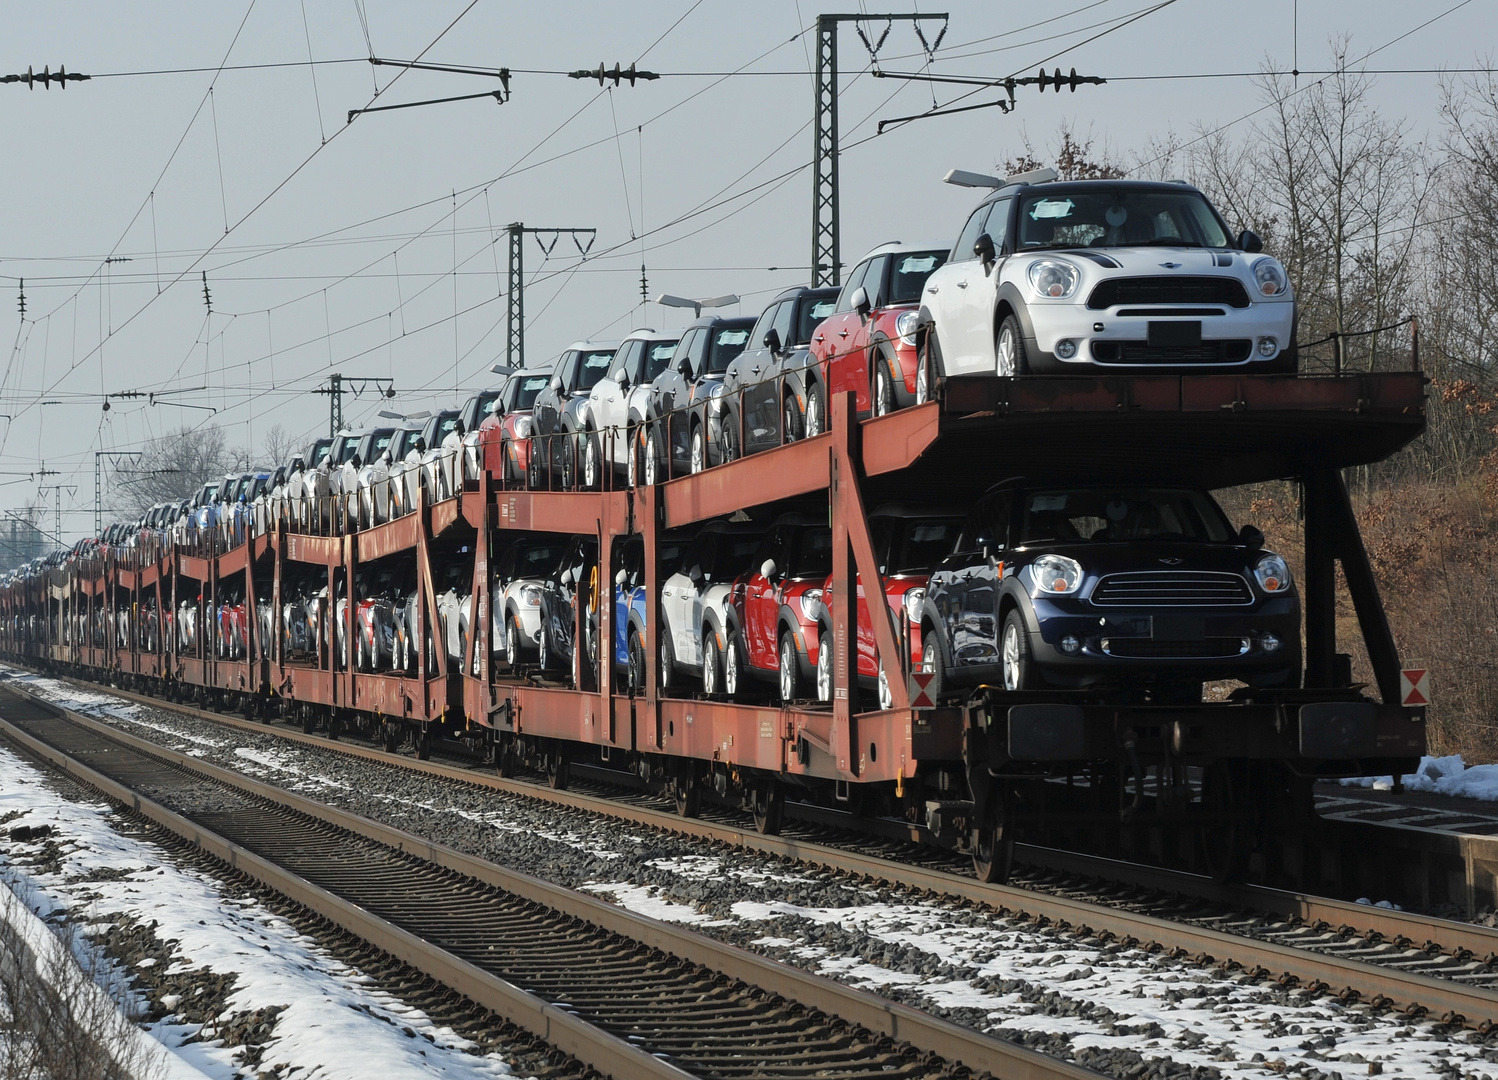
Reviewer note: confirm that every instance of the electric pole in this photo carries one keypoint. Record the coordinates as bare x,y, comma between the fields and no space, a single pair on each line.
115,456
515,307
357,385
826,259
57,490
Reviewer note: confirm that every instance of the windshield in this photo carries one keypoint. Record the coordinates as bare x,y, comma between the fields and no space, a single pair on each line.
346,448
524,394
381,442
811,317
320,450
1118,217
445,428
1113,515
595,365
812,556
922,544
908,277
726,344
486,402
657,357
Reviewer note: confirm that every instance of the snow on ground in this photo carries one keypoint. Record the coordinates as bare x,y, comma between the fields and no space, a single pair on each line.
333,1023
1442,776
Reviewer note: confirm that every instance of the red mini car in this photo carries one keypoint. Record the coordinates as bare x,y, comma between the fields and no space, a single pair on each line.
908,544
505,434
773,609
867,344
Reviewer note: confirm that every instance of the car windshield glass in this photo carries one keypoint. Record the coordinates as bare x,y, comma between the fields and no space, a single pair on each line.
1115,515
726,345
909,275
1118,217
657,356
594,367
538,561
320,452
812,556
526,390
811,317
486,402
381,444
347,447
445,428
923,544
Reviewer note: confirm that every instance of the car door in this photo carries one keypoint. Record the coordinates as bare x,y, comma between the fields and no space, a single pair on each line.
946,297
975,595
762,598
680,602
761,390
608,399
981,297
833,339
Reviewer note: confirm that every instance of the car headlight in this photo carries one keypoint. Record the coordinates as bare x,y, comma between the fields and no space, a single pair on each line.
1270,276
523,427
914,599
811,604
1054,279
1056,575
530,596
906,324
1272,574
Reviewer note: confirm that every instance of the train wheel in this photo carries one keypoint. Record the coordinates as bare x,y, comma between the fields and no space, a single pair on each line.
1226,826
424,744
309,720
993,841
558,770
506,757
767,804
335,726
687,791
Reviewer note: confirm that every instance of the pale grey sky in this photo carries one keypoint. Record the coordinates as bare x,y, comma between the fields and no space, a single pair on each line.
371,253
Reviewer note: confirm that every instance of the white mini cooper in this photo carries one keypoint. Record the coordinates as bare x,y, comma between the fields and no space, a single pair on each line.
1103,276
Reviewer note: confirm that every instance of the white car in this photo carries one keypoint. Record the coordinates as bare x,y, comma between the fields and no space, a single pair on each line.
621,396
1103,276
693,601
519,574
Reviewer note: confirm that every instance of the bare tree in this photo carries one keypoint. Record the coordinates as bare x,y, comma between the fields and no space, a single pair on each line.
1073,157
172,467
277,446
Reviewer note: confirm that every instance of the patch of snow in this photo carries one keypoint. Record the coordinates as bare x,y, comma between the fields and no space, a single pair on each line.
647,901
1441,776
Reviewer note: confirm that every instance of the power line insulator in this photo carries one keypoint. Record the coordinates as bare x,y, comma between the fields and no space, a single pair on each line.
61,77
617,75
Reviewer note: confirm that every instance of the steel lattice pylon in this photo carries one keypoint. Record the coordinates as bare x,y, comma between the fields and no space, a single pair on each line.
515,301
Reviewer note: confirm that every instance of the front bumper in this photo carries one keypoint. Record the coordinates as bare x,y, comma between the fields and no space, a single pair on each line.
1117,338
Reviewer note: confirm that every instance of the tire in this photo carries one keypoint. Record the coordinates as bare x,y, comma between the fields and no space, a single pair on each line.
666,680
993,842
728,443
632,460
533,467
543,646
712,664
927,369
699,450
790,669
512,642
687,791
886,696
767,804
733,675
636,651
816,412
652,461
592,471
790,421
882,399
506,464
1009,348
558,771
569,462
824,665
1014,653
932,662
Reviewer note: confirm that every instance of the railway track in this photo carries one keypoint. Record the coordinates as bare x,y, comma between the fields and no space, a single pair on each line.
1404,960
626,995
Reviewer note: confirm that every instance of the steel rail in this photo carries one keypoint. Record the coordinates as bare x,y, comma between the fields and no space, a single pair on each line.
934,1036
1474,1006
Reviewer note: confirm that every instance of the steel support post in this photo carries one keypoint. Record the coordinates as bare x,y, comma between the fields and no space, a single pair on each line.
1319,593
645,511
1378,639
515,300
825,260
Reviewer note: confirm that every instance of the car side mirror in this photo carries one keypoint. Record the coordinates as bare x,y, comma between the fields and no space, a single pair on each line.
623,380
860,301
772,341
767,568
621,577
567,576
1250,242
983,248
695,573
556,383
1251,536
684,367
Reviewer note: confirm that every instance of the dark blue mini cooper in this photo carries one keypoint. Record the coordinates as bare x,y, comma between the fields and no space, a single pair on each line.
1148,588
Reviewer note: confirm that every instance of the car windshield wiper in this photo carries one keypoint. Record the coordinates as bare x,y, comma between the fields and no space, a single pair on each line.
1166,241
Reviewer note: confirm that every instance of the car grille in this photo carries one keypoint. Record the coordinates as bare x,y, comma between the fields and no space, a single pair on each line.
1139,352
1206,648
1169,290
1172,588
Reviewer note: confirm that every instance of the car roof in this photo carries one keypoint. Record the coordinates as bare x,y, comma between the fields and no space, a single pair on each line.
905,510
644,333
745,322
899,245
799,290
1064,187
591,346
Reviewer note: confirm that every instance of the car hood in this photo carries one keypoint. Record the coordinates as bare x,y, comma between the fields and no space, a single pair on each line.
1135,555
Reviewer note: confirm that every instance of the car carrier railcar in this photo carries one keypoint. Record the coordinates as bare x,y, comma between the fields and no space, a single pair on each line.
971,771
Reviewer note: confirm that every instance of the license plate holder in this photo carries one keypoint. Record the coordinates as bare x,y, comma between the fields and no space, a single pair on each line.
1169,334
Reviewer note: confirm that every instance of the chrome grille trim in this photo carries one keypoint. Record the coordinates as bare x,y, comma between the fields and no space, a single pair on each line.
1172,588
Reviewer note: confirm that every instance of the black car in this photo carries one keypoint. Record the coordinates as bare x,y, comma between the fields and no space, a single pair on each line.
677,416
1134,587
574,580
765,386
581,365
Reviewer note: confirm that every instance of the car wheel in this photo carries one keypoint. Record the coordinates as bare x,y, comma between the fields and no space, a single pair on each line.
569,462
543,646
728,442
1014,653
925,372
699,450
790,428
632,459
506,462
533,470
652,456
886,696
816,412
711,671
882,393
824,665
636,652
931,662
1009,348
790,669
666,680
732,675
592,467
